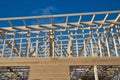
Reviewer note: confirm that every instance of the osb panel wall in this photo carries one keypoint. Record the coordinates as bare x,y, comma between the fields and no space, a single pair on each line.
49,72
55,68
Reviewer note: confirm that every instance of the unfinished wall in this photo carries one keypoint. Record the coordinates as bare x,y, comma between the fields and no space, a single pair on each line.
55,68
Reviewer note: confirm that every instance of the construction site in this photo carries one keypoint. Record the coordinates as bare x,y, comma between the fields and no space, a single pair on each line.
78,46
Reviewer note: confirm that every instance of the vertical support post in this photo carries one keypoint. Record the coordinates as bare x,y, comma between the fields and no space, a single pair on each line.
4,45
119,39
37,45
70,49
84,41
61,43
28,43
20,53
99,44
85,48
91,35
51,42
91,46
96,73
107,47
13,41
91,43
90,32
71,45
61,48
76,46
45,49
100,47
12,47
107,44
118,32
116,52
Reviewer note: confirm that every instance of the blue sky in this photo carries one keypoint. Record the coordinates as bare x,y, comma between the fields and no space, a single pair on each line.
18,8
13,8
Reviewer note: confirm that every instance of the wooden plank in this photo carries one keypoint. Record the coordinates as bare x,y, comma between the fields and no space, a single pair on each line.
59,61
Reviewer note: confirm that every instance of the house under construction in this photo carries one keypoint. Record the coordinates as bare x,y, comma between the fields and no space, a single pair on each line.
81,46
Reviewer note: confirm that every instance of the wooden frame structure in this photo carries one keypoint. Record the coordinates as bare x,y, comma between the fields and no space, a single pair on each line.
79,36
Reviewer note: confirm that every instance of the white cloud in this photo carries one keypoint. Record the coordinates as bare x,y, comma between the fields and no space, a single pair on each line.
44,11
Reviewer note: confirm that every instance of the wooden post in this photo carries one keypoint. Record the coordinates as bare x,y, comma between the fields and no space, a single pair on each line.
70,47
61,43
76,46
100,49
12,47
37,45
91,46
107,47
13,41
20,52
116,52
28,43
96,73
51,42
4,45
